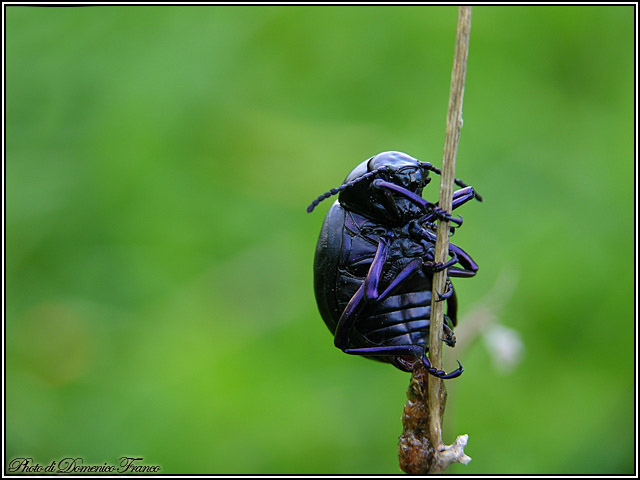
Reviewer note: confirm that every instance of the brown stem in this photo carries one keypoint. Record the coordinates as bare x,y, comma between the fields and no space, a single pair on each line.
415,451
452,134
420,447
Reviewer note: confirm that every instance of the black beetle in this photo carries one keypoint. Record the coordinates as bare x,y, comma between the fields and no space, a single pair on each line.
374,262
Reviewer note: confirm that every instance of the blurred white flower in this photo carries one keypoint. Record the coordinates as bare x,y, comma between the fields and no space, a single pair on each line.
505,346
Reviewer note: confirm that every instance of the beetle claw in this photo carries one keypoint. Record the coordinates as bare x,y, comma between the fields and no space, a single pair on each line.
447,294
435,266
456,373
441,373
443,215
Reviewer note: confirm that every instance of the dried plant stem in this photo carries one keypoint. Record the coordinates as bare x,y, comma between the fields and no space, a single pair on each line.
452,134
438,456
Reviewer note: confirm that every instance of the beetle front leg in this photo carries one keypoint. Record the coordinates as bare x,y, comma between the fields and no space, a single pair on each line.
443,215
408,194
460,197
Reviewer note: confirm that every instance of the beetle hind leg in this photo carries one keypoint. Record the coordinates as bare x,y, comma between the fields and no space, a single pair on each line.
389,350
441,373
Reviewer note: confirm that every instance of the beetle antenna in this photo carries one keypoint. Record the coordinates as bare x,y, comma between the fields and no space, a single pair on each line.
322,197
344,186
457,181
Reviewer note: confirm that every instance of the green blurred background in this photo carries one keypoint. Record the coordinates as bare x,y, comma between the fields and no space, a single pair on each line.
159,258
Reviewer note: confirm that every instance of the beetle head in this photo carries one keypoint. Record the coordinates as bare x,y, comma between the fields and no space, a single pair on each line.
393,167
358,195
401,169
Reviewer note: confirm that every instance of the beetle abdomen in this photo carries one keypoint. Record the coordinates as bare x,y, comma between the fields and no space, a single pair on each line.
400,319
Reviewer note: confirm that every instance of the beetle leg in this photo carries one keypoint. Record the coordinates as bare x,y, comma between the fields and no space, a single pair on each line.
417,228
460,197
456,373
438,266
448,292
391,202
452,309
441,373
408,194
470,268
449,338
442,215
391,350
404,274
375,270
348,318
368,292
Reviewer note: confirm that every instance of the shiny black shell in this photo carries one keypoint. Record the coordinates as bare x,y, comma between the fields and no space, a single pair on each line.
346,247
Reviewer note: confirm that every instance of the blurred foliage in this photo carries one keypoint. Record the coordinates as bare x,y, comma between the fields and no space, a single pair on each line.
159,258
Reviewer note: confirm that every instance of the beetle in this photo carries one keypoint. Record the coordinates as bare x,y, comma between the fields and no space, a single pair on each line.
374,262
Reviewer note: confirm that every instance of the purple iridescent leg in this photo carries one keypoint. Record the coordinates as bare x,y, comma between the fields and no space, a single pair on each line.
392,350
470,267
368,292
438,266
441,373
448,292
413,197
460,197
442,215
